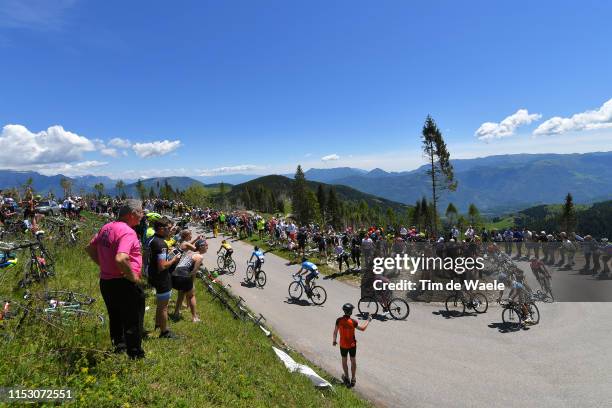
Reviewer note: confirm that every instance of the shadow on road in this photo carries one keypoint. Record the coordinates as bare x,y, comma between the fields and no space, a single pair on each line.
450,315
380,318
353,272
507,328
248,284
299,302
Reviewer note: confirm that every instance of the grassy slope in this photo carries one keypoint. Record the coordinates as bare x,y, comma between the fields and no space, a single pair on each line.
219,362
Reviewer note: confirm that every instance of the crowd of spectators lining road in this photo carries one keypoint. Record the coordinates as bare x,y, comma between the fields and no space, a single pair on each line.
348,246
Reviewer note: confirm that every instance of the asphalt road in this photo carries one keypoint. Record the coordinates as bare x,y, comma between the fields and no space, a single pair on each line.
430,360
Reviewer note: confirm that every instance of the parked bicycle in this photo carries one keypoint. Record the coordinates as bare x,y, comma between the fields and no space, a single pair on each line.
298,287
457,302
38,267
256,275
397,307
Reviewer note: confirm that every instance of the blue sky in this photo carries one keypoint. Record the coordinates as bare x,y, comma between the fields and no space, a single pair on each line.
243,86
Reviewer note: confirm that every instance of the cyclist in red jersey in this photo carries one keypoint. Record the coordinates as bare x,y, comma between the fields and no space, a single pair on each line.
346,325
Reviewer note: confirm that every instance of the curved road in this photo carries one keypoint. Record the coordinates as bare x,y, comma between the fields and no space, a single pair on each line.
432,361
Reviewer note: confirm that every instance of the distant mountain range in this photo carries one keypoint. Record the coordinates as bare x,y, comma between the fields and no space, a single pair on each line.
282,185
496,184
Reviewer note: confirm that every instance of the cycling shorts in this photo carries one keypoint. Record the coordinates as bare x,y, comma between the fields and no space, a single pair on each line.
351,352
312,275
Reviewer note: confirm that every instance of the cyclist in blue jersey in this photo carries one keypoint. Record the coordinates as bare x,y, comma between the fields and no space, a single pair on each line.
259,258
310,270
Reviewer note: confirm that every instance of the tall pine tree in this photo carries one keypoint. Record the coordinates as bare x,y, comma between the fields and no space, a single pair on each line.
440,168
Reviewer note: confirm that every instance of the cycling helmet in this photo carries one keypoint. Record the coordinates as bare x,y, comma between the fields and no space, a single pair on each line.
153,216
348,308
304,259
256,248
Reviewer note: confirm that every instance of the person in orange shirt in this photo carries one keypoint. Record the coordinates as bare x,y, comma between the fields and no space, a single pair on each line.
346,325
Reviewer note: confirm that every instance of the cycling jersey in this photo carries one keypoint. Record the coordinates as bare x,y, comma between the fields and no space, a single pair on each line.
227,246
346,327
258,254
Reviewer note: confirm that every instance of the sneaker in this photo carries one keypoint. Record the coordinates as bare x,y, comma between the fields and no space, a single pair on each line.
353,381
168,335
345,380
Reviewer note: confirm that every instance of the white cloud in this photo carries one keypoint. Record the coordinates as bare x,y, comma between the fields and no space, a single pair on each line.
154,149
34,14
492,130
118,142
19,146
330,157
231,169
589,120
69,169
110,151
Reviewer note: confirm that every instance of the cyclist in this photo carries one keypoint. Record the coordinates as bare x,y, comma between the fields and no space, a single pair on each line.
310,270
346,325
520,289
227,248
541,274
259,259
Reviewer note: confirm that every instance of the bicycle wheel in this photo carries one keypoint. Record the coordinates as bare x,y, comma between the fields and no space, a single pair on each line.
399,308
318,295
231,266
512,318
367,306
454,305
533,312
261,279
249,273
480,303
295,290
221,261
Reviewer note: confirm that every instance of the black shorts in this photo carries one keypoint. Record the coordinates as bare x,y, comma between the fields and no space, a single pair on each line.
182,283
301,244
161,282
351,352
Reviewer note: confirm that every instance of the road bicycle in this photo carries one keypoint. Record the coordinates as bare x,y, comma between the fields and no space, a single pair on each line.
540,296
226,263
397,307
317,294
61,304
457,302
515,314
256,274
38,267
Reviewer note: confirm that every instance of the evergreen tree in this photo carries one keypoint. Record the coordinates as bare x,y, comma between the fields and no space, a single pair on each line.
301,208
568,214
141,189
440,168
322,199
333,209
120,187
473,213
451,213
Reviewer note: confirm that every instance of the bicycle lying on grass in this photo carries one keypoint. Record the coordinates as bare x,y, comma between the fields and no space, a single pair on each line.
397,307
457,302
298,287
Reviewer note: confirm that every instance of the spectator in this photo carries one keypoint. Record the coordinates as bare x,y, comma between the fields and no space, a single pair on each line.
160,266
116,249
184,275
